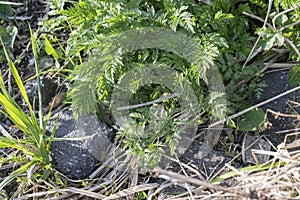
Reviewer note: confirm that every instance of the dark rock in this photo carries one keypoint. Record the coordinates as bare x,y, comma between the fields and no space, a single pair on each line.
77,158
48,89
253,143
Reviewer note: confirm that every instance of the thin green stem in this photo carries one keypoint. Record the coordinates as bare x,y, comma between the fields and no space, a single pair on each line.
38,78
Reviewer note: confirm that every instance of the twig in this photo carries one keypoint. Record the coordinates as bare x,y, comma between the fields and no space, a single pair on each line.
280,65
287,131
191,180
291,24
11,3
158,190
269,25
185,165
238,155
149,102
282,13
254,46
255,106
296,104
50,33
251,52
268,12
185,184
271,59
293,46
277,114
20,18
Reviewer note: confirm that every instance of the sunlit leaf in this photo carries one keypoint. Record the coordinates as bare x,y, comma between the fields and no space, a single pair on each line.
49,49
252,121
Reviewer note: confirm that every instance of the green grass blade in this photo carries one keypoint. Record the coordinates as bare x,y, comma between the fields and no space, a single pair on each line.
7,142
19,118
19,83
29,126
255,168
16,173
16,75
32,122
42,147
26,125
50,140
2,86
15,144
37,71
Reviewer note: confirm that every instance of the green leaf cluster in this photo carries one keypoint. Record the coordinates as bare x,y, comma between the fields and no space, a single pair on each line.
225,34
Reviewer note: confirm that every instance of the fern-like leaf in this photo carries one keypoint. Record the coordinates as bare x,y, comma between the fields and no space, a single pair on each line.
86,76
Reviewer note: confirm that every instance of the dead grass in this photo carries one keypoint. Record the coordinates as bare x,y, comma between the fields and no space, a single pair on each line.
280,181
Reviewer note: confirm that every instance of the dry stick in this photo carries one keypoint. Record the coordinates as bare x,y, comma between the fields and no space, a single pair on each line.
282,13
252,51
269,25
4,132
149,102
235,157
158,190
254,46
272,58
11,3
268,12
195,181
277,114
94,188
291,24
293,46
255,106
185,165
185,184
280,65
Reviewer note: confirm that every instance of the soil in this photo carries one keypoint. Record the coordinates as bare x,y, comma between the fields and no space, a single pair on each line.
277,82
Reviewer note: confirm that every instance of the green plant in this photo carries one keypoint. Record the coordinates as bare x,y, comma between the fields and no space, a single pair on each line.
220,30
282,32
32,149
224,30
222,27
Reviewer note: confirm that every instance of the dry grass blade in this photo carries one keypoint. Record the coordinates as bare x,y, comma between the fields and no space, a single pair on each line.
69,190
184,179
4,132
132,190
281,182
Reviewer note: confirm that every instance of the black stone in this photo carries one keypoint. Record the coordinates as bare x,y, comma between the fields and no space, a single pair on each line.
76,159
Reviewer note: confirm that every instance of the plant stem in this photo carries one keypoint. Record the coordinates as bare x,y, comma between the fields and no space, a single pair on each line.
269,25
38,79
